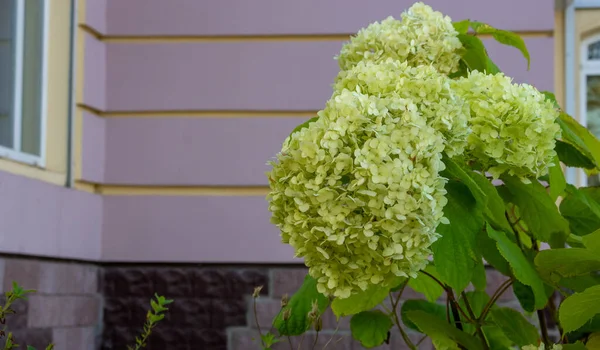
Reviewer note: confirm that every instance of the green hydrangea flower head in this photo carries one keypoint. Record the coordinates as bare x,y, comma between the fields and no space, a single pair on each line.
513,125
422,37
358,194
443,108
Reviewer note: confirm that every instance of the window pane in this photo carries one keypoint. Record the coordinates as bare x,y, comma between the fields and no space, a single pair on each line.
32,77
7,76
594,51
593,114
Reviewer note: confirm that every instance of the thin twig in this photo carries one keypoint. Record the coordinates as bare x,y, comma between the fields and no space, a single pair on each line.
454,307
543,327
257,324
315,342
395,303
503,288
477,324
332,336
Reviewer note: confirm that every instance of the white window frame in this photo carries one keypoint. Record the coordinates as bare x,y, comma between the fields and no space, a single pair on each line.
15,152
587,68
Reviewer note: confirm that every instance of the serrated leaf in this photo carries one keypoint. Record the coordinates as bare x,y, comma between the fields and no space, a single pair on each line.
580,137
454,253
362,301
491,254
479,279
558,183
525,296
592,241
538,211
555,264
579,308
580,283
426,285
503,37
482,190
303,125
462,27
515,326
520,266
571,156
582,219
370,328
474,55
441,331
423,305
301,304
496,339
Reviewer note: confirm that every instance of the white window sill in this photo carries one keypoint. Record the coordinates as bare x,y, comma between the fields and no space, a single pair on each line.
21,157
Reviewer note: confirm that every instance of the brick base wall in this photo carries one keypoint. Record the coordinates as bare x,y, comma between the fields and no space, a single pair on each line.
65,310
82,306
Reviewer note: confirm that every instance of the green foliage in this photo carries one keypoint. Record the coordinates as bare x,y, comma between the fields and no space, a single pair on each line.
363,301
579,137
426,285
455,253
571,156
496,338
592,242
566,262
515,326
441,331
579,308
474,55
504,37
525,296
300,304
370,328
522,269
423,305
579,207
154,315
558,183
538,210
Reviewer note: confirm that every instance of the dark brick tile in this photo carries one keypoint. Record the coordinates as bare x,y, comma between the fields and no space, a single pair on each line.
18,320
189,312
119,337
117,312
39,338
214,339
228,313
128,282
170,338
174,283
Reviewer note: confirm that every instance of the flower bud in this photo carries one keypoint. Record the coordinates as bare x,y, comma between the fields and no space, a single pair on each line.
257,291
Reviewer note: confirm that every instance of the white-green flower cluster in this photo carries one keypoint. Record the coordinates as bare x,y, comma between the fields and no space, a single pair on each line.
357,193
513,125
542,346
431,91
421,37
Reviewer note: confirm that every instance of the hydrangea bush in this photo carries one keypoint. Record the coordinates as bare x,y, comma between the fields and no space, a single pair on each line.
426,164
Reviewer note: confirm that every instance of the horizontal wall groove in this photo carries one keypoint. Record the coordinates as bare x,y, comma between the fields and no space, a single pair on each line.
197,113
153,39
157,190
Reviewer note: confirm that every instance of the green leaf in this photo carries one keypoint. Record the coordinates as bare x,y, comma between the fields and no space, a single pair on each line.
525,296
441,331
426,285
492,68
593,341
454,253
558,184
520,266
586,199
572,157
303,125
482,190
580,137
363,301
301,304
477,301
491,254
370,328
503,37
515,326
579,308
538,211
592,241
479,279
423,305
576,346
552,98
580,283
496,339
29,347
555,264
577,209
462,27
474,55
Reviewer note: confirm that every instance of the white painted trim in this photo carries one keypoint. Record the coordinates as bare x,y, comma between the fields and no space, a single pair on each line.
18,69
44,81
569,13
19,156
